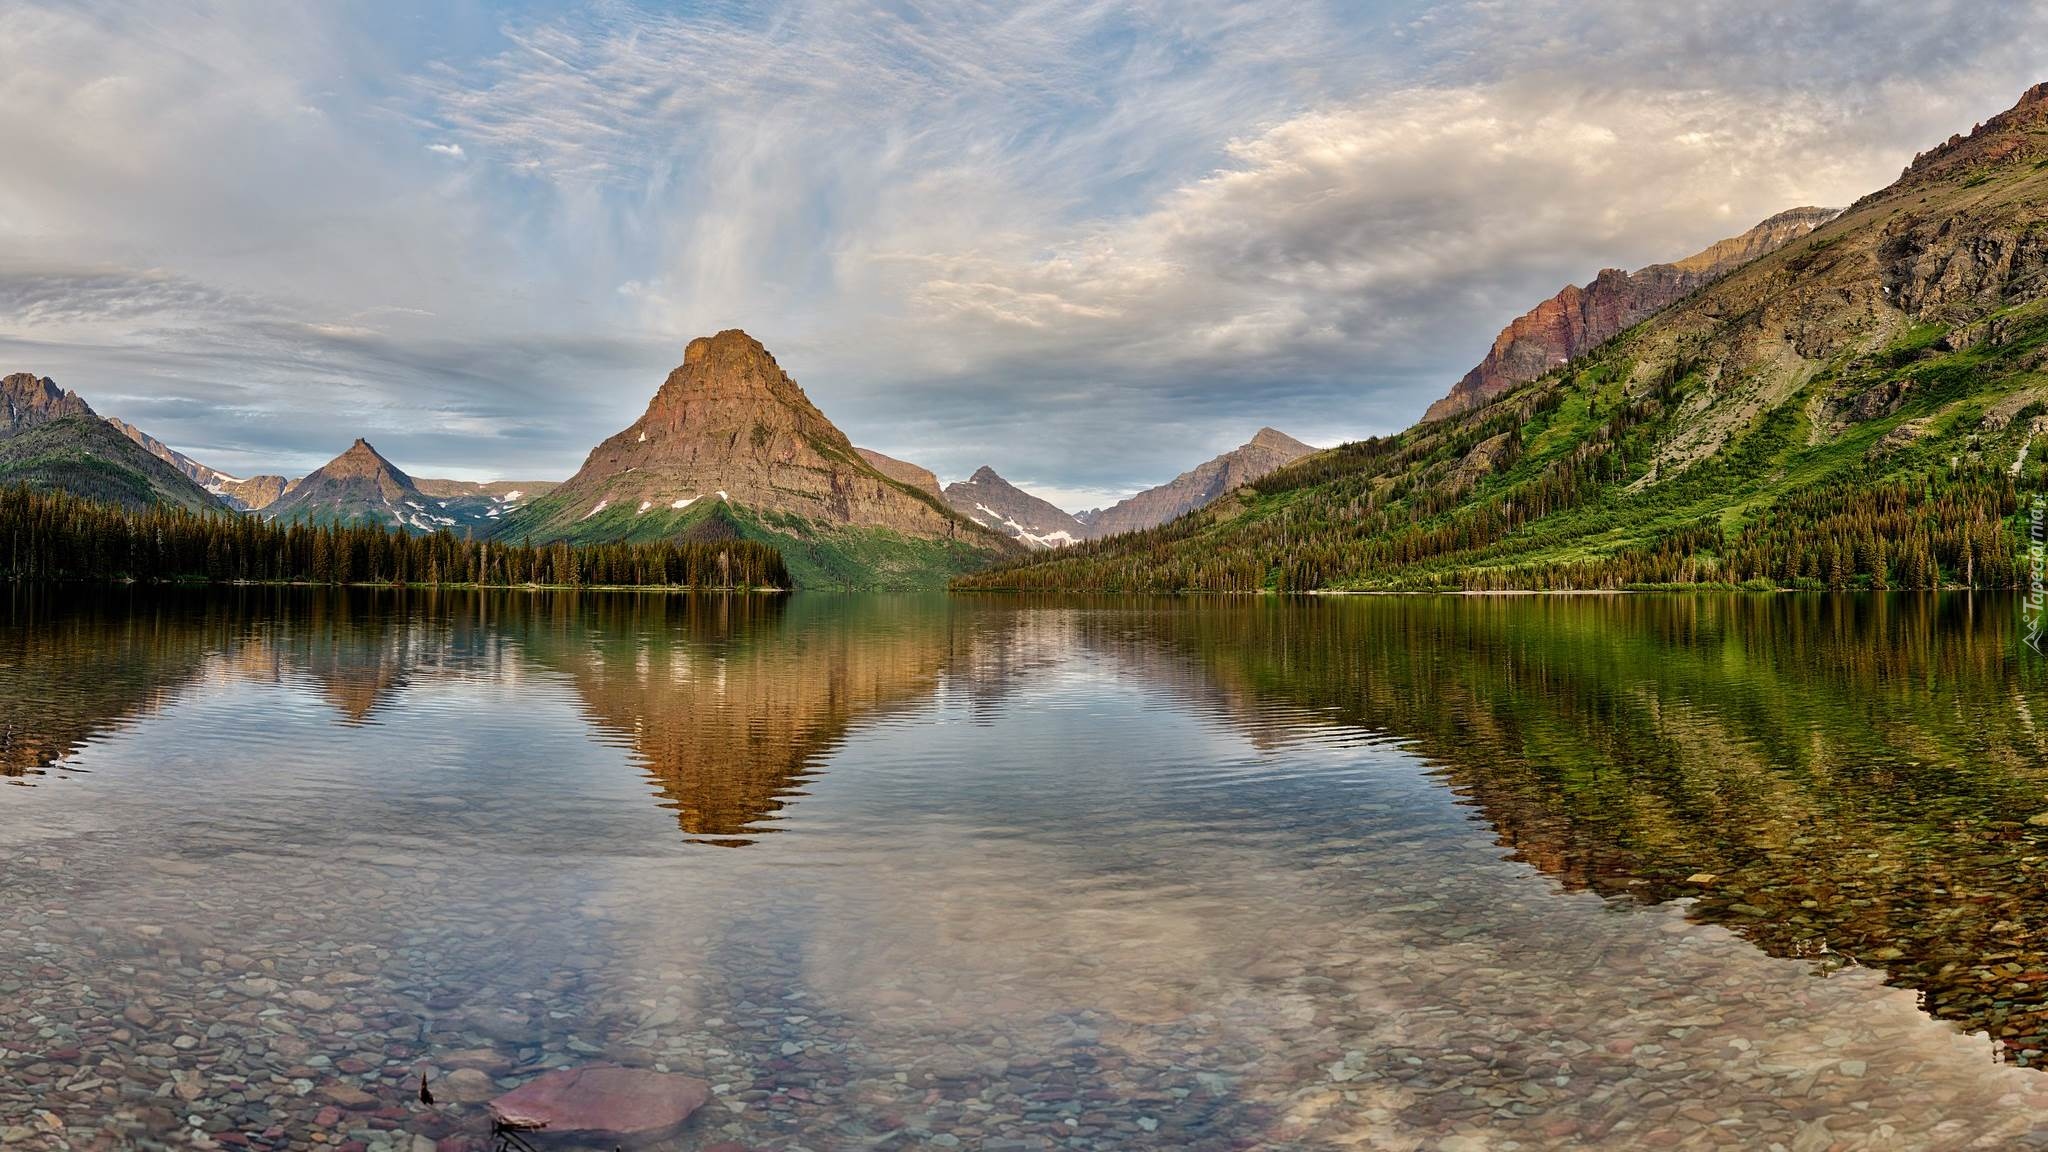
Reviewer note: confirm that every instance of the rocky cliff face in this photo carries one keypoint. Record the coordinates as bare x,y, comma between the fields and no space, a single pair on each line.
1192,489
902,471
991,501
729,426
27,400
242,494
1578,319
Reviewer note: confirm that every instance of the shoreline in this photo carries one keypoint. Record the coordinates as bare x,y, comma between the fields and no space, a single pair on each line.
404,586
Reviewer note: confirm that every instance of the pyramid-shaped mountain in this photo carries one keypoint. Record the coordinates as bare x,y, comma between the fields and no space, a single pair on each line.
730,445
987,498
358,487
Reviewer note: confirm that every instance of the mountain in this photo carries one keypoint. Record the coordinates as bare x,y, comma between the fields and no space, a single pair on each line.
1198,486
243,495
730,445
358,487
27,400
51,438
83,455
1865,406
991,501
902,471
1579,319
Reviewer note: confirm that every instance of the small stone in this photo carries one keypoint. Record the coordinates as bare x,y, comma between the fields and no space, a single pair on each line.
347,1096
603,1102
482,1059
466,1086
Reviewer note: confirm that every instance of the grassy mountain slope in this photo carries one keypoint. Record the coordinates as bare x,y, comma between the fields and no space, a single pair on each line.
86,456
817,554
1863,407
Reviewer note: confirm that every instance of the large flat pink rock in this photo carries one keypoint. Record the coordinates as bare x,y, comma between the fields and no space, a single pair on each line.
605,1101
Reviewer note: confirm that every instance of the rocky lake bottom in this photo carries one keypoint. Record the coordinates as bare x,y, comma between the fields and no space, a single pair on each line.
1403,873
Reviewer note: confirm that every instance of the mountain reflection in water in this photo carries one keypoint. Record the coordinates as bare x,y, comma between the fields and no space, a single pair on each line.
1141,806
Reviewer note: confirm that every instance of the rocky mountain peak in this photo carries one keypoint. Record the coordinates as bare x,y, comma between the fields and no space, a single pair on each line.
358,486
993,502
727,384
361,459
731,343
729,426
1272,439
27,400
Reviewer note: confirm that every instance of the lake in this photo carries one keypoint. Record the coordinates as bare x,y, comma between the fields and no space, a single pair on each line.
1379,872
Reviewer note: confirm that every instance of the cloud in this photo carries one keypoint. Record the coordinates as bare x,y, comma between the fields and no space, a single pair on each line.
252,384
1088,243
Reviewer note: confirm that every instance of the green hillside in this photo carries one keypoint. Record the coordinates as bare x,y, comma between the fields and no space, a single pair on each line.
817,555
86,456
1863,408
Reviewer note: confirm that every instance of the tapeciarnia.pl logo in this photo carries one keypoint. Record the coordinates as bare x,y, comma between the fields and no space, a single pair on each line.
2037,560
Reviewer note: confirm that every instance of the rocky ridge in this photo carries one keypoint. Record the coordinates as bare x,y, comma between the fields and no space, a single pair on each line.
902,471
1581,318
242,494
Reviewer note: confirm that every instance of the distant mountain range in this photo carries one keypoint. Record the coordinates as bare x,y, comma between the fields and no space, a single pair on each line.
987,498
1649,426
729,446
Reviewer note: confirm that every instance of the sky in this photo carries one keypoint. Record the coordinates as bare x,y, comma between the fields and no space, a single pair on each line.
1088,243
